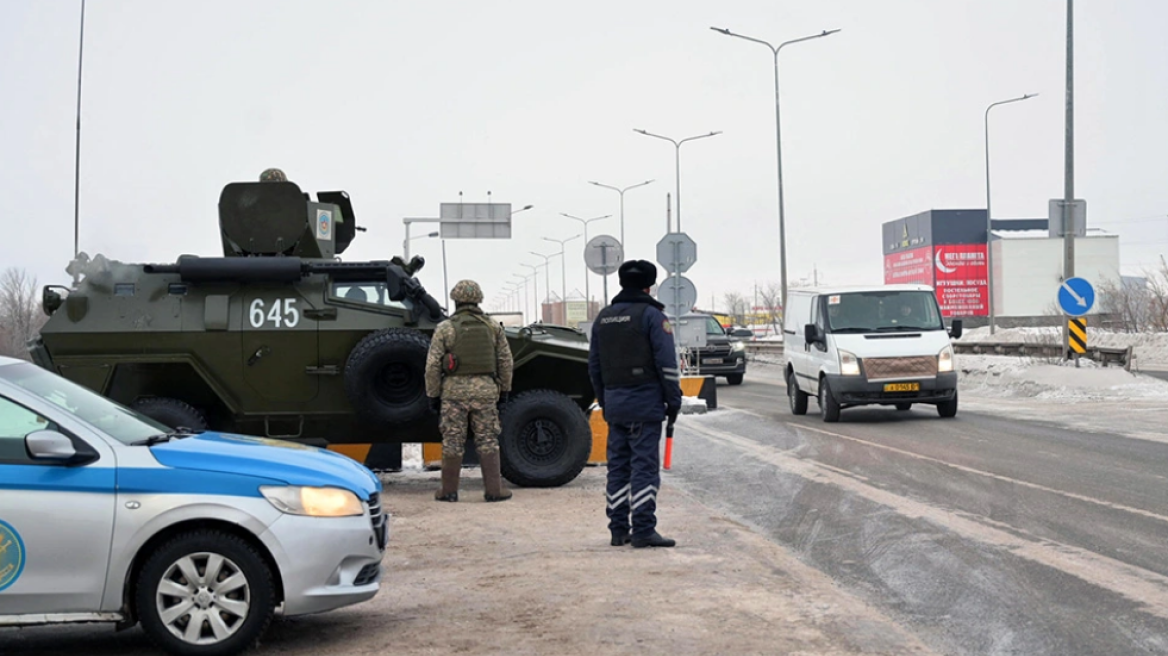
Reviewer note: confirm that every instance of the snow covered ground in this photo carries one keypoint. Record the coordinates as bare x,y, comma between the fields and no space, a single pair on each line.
1020,377
1150,349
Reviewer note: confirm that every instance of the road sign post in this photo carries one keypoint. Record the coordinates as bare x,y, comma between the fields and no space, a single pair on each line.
603,255
1076,297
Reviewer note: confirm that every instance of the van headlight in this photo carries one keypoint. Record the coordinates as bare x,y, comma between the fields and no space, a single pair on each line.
849,363
945,360
313,501
738,346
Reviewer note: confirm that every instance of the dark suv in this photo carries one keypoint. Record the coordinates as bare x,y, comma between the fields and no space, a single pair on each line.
724,354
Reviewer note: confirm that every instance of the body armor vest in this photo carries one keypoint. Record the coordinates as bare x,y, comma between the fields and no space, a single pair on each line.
473,353
626,356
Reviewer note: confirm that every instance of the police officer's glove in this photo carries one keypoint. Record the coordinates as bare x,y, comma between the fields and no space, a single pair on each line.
435,404
671,413
503,398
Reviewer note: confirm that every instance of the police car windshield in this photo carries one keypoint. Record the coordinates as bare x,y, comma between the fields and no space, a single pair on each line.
117,421
883,311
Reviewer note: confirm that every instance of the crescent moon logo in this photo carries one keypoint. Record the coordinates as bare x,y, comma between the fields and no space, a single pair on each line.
941,265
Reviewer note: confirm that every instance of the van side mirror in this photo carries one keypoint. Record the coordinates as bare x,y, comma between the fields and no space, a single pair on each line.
955,330
811,334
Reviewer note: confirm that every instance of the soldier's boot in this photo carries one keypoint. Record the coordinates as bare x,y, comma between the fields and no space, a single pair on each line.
493,478
451,469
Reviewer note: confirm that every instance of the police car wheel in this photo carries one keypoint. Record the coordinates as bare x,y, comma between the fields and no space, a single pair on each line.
545,439
385,376
205,593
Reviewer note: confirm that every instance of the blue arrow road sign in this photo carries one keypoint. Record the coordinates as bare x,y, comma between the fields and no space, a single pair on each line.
1076,296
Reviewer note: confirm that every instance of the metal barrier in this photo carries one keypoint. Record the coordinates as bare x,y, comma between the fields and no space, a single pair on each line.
1105,356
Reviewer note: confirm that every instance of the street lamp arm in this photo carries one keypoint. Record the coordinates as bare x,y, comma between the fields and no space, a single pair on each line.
701,136
650,134
1011,100
806,38
727,32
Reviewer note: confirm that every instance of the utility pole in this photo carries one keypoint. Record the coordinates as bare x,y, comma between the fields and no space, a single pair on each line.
77,160
1069,172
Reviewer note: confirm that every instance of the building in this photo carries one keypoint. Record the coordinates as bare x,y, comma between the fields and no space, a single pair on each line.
574,313
950,251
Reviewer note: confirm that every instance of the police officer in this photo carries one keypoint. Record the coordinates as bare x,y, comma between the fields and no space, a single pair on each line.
468,377
634,373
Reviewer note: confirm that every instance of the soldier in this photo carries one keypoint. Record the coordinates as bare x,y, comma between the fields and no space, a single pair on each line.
273,175
468,378
633,365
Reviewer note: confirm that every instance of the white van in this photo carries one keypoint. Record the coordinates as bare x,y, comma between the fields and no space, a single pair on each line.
851,346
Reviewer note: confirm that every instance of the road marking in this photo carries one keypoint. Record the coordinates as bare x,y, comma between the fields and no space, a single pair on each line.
1141,586
998,477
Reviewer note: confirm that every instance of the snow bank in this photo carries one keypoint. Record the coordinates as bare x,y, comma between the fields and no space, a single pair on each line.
1151,349
1011,376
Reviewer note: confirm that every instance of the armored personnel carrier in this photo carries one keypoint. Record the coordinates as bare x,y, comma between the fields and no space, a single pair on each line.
280,338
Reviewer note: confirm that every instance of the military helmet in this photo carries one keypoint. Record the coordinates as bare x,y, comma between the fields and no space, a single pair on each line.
273,175
466,291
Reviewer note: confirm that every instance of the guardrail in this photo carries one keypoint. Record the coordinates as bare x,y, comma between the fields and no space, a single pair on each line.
1105,356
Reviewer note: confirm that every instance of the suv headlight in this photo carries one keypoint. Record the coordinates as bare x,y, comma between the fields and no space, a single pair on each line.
849,364
945,360
738,346
313,501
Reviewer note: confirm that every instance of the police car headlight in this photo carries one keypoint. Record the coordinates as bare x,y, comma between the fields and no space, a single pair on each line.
738,346
313,501
849,364
945,360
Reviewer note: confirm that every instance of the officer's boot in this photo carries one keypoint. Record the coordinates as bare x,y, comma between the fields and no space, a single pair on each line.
493,478
451,468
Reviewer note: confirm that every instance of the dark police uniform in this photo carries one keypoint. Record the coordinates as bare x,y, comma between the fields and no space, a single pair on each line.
634,371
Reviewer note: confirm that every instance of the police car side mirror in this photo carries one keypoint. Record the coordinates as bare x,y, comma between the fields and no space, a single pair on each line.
54,447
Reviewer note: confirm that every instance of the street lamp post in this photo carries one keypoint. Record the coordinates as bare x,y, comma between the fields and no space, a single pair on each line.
547,275
989,221
524,278
534,289
587,286
563,276
677,162
778,143
622,206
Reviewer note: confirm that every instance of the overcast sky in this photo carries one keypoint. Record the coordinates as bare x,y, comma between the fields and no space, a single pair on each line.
404,105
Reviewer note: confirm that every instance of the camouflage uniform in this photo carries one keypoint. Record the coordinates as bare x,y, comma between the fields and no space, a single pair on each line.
273,175
467,397
468,401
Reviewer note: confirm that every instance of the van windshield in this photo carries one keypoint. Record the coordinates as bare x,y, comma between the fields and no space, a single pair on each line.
888,311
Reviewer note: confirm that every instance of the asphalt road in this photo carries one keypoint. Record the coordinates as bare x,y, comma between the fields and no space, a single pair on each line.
980,534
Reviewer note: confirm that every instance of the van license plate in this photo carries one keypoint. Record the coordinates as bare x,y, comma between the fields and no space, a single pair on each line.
712,361
902,387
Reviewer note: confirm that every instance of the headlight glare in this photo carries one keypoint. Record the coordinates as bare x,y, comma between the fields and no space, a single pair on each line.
738,346
945,360
849,364
313,501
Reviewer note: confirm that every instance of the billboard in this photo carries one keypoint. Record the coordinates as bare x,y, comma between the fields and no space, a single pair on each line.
909,267
962,280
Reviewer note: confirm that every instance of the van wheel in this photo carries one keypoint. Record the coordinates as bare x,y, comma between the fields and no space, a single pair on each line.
828,406
904,407
796,397
205,593
948,409
171,412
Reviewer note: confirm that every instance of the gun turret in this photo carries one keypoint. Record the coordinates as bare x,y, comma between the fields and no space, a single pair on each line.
259,219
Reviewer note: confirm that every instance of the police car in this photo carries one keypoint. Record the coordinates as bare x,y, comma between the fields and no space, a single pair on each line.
108,516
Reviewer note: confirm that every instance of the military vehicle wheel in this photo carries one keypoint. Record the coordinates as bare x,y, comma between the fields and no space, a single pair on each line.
385,376
546,439
172,412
